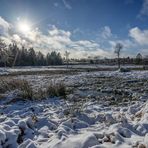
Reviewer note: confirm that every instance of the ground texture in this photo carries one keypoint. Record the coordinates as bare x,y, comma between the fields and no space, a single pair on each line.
102,109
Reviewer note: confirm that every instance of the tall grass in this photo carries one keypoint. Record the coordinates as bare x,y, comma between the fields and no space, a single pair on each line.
23,86
56,89
25,91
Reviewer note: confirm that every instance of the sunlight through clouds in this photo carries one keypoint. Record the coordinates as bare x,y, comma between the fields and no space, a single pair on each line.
55,39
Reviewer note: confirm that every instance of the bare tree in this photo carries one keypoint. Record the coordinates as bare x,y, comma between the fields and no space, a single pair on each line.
118,48
138,59
67,57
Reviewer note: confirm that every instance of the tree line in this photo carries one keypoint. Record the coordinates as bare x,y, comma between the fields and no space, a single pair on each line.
12,55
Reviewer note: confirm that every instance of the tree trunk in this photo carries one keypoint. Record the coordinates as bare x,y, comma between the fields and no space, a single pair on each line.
67,63
118,62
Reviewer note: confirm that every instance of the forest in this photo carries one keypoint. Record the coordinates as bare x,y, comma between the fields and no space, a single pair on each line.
12,55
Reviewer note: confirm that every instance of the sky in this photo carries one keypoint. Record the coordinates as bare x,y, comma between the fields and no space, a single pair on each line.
82,27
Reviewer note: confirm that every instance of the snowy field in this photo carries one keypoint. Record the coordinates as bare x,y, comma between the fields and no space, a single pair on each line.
4,71
106,109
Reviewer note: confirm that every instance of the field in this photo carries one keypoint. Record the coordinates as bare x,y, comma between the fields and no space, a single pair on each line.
83,106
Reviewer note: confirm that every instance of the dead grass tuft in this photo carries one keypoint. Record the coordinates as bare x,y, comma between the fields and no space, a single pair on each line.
23,86
56,89
26,91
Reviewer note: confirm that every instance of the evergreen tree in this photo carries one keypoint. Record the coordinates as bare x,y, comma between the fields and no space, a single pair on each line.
32,57
3,53
40,59
12,55
23,57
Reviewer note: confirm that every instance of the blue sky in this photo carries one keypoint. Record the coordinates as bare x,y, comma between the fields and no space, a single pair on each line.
84,27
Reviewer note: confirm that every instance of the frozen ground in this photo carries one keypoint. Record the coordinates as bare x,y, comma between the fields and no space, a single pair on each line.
102,109
5,71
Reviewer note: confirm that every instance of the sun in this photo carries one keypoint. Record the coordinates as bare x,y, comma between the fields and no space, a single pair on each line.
24,27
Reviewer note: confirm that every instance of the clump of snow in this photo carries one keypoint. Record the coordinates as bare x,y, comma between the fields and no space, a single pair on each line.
28,144
4,71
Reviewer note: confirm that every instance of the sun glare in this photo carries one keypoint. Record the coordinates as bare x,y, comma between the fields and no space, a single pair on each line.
24,27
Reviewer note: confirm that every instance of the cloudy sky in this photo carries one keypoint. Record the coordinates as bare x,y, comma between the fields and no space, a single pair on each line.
83,27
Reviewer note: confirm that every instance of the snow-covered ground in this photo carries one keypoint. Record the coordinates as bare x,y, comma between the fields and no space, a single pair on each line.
62,67
57,123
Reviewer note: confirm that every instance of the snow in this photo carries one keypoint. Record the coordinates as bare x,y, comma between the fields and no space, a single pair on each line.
3,71
82,131
7,70
45,124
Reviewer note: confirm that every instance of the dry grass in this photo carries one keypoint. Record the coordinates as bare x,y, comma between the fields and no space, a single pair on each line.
40,94
56,89
26,91
7,85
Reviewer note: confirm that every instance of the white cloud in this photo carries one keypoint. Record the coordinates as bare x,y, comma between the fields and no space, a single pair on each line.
56,4
127,43
138,42
140,36
63,42
144,9
144,52
60,40
57,32
4,27
56,39
67,5
77,31
128,46
106,32
16,38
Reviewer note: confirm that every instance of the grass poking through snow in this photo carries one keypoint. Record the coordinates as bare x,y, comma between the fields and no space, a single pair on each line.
27,92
